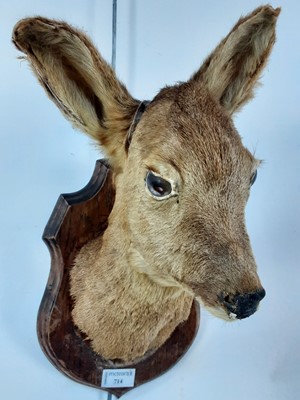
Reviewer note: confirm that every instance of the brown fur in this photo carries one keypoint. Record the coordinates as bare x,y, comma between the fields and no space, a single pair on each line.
133,286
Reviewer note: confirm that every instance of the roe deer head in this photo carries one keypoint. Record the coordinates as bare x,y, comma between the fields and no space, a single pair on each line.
182,179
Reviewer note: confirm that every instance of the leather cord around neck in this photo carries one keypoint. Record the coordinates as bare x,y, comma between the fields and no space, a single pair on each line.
136,119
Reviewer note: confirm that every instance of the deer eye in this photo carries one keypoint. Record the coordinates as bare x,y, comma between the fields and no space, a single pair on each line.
157,186
253,178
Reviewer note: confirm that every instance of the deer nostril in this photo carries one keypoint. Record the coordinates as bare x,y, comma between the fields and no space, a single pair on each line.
243,305
229,298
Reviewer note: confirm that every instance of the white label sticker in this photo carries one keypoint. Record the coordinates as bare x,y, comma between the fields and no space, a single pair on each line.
117,378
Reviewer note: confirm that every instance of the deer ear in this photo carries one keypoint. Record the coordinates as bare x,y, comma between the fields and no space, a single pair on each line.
79,81
232,70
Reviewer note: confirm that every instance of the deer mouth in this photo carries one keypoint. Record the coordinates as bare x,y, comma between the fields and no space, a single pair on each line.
234,307
240,306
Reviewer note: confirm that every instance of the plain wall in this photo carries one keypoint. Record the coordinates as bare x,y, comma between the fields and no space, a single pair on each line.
159,42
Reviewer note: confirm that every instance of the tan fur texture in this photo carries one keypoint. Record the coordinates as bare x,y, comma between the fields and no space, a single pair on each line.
133,286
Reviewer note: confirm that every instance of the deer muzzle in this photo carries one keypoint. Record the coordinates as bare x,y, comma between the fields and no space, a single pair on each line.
242,305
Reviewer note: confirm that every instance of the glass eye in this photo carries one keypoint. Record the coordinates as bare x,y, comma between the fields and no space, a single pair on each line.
158,186
253,178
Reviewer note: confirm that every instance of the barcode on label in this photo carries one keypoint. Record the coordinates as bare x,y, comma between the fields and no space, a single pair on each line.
117,378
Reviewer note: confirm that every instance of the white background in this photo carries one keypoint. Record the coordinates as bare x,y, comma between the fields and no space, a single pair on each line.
159,42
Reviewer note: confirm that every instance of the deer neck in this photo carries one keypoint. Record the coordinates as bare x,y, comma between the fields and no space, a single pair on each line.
138,277
124,309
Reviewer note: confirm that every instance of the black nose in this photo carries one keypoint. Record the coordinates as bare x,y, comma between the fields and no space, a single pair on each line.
243,305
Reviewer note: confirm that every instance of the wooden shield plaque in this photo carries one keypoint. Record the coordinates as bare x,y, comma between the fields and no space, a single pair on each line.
77,218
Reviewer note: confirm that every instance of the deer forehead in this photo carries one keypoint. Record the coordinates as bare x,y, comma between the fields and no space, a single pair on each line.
188,136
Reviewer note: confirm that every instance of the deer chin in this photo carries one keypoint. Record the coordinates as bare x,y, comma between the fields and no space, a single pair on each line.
221,313
218,311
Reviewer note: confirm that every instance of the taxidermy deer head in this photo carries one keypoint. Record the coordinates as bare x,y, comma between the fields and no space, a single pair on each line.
182,178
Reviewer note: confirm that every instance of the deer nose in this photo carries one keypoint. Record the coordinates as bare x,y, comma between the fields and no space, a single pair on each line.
243,305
